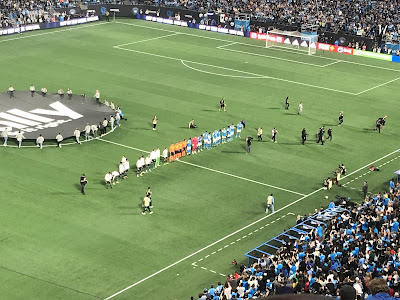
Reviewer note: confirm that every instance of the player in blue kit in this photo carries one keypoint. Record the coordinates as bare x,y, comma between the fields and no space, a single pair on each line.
223,134
209,141
214,138
189,146
200,144
218,137
239,129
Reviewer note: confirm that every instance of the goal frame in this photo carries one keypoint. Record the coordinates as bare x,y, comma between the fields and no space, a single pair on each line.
276,37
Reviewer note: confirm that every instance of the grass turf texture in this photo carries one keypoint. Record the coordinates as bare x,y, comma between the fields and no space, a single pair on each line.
58,244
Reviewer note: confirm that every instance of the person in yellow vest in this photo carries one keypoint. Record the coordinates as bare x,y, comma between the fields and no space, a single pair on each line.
270,203
146,206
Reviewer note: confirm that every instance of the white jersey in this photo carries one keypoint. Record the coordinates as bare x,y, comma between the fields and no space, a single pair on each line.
300,107
165,153
148,160
77,133
108,177
94,128
40,140
139,163
158,153
32,88
153,155
105,123
123,159
5,132
121,168
97,95
114,174
20,136
126,165
59,138
142,161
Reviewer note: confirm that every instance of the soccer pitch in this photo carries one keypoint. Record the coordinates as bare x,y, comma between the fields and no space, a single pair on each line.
209,208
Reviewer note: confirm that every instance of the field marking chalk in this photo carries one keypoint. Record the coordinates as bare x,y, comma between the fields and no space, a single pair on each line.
146,40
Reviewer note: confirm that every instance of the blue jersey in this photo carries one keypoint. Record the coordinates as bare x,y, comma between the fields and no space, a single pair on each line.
200,141
239,127
188,147
223,133
209,138
218,135
214,136
205,134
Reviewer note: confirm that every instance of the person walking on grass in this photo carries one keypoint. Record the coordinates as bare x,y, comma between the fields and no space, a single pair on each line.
274,132
20,137
4,135
287,103
222,104
83,181
146,206
59,139
259,134
270,204
155,120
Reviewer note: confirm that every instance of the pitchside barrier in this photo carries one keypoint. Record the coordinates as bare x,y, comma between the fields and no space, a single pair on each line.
301,230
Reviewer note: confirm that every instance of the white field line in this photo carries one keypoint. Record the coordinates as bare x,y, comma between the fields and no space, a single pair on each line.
284,49
332,63
273,57
231,234
362,92
213,170
226,45
253,74
223,75
151,39
51,32
242,178
210,245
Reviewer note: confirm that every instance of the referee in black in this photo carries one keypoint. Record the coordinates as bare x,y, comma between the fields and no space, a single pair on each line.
248,141
83,182
329,134
303,136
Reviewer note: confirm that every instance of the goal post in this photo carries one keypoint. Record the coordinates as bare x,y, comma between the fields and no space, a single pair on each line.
293,40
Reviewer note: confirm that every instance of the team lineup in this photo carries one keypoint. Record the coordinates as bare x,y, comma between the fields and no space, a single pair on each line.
206,141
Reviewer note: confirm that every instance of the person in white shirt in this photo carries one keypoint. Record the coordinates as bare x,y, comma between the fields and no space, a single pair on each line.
139,167
32,89
94,129
165,155
105,123
69,93
147,162
123,159
112,121
158,155
77,134
142,163
121,169
11,91
97,95
60,92
19,137
115,176
106,103
300,108
39,141
4,135
87,131
108,179
117,119
112,105
44,91
59,139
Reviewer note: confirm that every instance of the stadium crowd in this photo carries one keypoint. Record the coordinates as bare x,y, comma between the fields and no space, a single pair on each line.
357,246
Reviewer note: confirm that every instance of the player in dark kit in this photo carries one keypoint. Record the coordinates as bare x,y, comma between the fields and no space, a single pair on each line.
330,134
287,103
380,124
83,182
222,104
320,134
303,136
340,118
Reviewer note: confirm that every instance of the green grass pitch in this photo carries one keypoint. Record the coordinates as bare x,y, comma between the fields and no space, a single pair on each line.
208,208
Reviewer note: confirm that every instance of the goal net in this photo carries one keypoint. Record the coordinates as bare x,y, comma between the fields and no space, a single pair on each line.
294,40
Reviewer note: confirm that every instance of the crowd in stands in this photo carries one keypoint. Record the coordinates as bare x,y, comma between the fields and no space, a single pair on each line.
357,246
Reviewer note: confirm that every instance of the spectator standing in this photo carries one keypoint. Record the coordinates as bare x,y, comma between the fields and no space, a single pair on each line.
19,137
4,135
88,128
32,89
11,91
44,91
365,190
39,141
379,290
77,134
94,129
97,96
270,203
59,139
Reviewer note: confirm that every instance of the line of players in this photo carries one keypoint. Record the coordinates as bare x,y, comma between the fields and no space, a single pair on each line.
205,141
111,178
